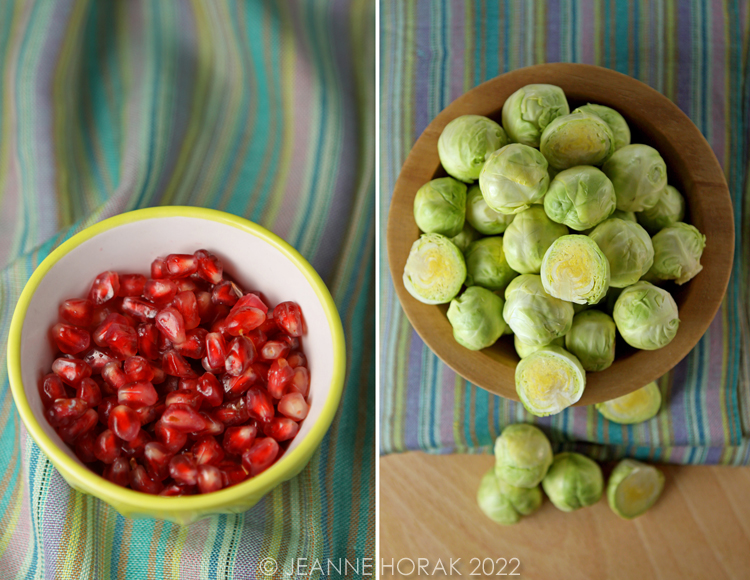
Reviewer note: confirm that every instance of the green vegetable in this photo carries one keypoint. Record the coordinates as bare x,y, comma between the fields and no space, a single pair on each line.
576,270
580,197
477,318
615,120
636,407
527,239
530,109
628,249
440,207
646,316
505,504
523,350
535,317
633,488
574,481
513,178
485,220
549,380
465,142
677,253
639,175
592,340
467,235
435,269
486,265
577,139
669,209
523,455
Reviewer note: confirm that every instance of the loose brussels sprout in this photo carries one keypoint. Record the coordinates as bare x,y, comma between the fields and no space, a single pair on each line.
435,269
677,253
467,235
440,207
535,317
628,216
669,210
477,318
513,178
635,407
484,219
574,481
639,175
523,350
592,340
465,142
628,249
549,380
505,504
523,455
527,239
486,265
530,109
633,488
576,270
615,120
580,197
646,316
577,139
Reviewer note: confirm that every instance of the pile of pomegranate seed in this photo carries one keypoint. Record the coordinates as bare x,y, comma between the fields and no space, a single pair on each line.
176,384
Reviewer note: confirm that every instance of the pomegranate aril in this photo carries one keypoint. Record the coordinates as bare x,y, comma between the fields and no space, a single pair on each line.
83,424
259,404
156,459
124,422
70,339
292,341
159,375
205,306
84,448
150,414
187,384
240,356
233,473
174,364
213,427
65,410
226,293
98,358
232,413
77,311
159,291
296,359
194,345
186,303
209,478
136,395
158,269
260,456
170,437
105,287
212,391
138,369
237,440
288,317
135,447
261,369
51,388
244,320
219,323
172,490
237,386
257,337
71,371
140,480
170,322
209,267
183,418
105,408
274,349
148,341
251,299
300,381
89,392
216,352
118,472
207,451
281,428
171,384
187,284
191,398
181,265
183,469
139,309
269,326
122,340
99,335
132,284
114,376
279,376
107,447
294,406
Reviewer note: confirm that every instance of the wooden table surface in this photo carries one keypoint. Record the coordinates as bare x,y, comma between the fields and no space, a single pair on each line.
699,528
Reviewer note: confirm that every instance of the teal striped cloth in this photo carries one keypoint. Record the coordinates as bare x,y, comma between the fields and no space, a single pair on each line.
698,55
260,108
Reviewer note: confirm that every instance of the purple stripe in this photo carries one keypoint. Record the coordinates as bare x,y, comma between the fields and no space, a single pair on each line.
553,31
717,50
423,58
587,30
684,67
412,417
457,50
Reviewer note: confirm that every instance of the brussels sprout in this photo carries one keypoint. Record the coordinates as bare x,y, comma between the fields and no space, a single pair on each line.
513,178
633,488
535,317
549,380
486,265
527,239
435,269
523,455
628,216
485,220
530,109
465,142
440,207
577,139
636,407
576,270
574,481
646,316
639,175
592,340
580,197
615,120
628,249
523,350
677,253
669,209
505,504
477,318
467,235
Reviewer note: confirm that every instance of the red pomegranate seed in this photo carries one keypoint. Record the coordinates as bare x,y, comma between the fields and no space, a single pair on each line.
240,356
187,385
297,359
269,326
171,438
164,344
140,480
171,384
98,358
99,335
132,284
51,388
183,418
209,478
156,459
107,447
187,305
288,316
138,369
89,392
158,269
219,323
71,371
216,352
212,391
191,398
135,447
83,424
207,451
226,293
183,470
194,345
85,447
77,311
209,267
150,414
259,404
172,490
148,341
181,265
159,291
136,395
257,337
231,413
236,386
118,472
213,427
114,376
188,284
124,422
261,369
122,340
294,406
105,287
251,300
232,472
292,341
170,322
279,376
71,339
105,408
244,320
175,365
281,428
260,456
274,349
205,306
237,440
159,375
139,309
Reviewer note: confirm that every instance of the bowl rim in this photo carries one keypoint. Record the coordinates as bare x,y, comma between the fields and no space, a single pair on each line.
284,469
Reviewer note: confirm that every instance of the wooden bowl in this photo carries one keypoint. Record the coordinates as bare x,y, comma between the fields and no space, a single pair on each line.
692,168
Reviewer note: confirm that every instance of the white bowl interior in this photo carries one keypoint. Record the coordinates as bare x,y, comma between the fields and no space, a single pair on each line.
130,248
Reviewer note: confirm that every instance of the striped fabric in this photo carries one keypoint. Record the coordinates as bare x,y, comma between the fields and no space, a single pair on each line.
696,53
260,108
